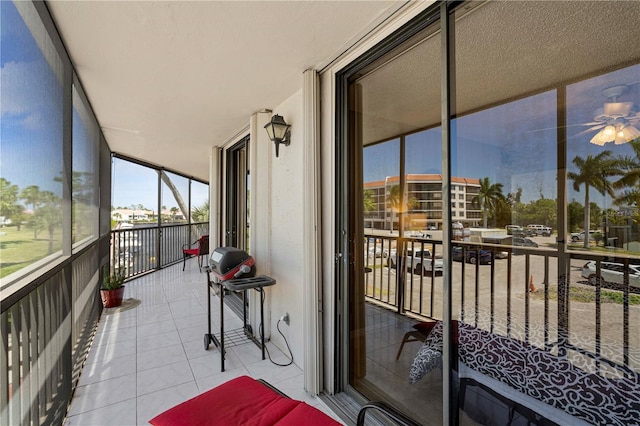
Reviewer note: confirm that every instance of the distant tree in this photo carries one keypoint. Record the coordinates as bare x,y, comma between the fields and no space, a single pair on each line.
174,212
32,196
49,215
394,199
368,203
201,213
595,213
503,212
547,210
630,170
593,172
575,214
515,201
9,207
488,197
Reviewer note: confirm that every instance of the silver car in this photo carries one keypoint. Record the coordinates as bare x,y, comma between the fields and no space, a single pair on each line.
611,273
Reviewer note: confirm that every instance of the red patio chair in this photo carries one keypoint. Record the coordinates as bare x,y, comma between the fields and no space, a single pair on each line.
199,248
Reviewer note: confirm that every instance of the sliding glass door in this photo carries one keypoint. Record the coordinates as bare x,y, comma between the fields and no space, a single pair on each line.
509,208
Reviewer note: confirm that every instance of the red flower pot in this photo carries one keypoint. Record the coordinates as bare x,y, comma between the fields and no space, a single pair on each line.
112,298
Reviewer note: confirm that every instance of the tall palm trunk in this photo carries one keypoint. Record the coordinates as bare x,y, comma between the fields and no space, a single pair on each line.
587,217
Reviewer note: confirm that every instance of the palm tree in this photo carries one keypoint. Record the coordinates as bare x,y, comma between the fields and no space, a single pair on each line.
630,168
394,199
200,214
31,195
593,172
368,204
8,198
488,197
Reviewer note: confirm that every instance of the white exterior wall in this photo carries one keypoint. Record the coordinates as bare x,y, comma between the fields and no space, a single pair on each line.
277,205
286,224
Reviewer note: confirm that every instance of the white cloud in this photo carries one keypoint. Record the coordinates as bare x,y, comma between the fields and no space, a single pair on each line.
32,121
23,86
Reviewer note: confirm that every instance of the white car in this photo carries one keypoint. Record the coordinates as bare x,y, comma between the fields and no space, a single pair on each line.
611,273
418,261
579,236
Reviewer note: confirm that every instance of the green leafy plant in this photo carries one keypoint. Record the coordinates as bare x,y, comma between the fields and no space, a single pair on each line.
112,281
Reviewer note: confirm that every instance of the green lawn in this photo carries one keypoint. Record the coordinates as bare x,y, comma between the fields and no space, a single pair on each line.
19,249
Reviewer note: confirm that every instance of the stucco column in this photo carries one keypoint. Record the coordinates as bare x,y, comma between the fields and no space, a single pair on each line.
260,164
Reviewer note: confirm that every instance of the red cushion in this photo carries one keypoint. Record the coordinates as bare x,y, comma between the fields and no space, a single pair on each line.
304,414
232,403
270,414
242,402
192,252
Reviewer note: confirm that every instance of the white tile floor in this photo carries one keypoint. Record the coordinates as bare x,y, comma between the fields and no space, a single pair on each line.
149,358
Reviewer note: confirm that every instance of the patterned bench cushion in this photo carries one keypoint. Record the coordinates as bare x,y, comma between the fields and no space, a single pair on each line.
538,374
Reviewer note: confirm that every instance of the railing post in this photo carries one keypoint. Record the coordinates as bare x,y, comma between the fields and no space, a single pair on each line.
401,269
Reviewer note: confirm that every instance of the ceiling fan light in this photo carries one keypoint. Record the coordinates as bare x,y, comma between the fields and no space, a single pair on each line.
626,134
607,134
598,138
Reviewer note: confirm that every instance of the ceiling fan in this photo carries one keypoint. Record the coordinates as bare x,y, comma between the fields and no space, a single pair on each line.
615,121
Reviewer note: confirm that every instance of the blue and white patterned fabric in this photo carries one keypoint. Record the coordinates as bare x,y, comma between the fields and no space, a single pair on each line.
539,374
429,356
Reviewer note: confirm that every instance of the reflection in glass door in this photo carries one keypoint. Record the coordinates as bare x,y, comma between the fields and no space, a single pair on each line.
396,163
237,209
538,188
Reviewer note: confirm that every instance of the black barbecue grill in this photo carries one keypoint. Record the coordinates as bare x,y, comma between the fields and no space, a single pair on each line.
234,270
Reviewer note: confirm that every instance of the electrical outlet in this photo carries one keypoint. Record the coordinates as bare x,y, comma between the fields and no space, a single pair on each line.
285,318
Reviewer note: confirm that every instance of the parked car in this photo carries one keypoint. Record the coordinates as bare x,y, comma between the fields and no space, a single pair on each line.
514,229
418,261
376,251
523,242
611,273
579,236
471,255
545,231
500,254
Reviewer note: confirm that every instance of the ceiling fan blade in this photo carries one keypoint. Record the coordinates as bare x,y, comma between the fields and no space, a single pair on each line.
591,129
565,127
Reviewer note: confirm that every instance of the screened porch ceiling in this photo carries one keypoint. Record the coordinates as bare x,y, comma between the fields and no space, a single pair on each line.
169,80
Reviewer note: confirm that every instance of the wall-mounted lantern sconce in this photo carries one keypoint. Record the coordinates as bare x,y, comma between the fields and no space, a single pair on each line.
278,131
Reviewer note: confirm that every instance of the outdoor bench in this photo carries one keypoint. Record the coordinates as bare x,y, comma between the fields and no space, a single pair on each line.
527,381
242,401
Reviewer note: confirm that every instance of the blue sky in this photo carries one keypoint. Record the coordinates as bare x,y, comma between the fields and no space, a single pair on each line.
31,124
507,143
513,143
135,184
31,129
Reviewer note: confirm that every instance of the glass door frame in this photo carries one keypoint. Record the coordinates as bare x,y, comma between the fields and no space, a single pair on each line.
237,196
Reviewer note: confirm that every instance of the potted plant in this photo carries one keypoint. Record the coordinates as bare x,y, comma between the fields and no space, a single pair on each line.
112,288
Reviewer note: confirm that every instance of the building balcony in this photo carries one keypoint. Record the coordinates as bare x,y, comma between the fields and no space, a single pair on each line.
148,355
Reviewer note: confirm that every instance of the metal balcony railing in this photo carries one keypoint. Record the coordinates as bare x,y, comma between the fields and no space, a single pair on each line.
136,251
47,326
514,291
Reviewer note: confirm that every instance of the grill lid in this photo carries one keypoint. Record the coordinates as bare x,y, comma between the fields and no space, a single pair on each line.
230,262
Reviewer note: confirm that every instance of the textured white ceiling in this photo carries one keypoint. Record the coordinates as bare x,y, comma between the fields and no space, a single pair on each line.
504,50
169,80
